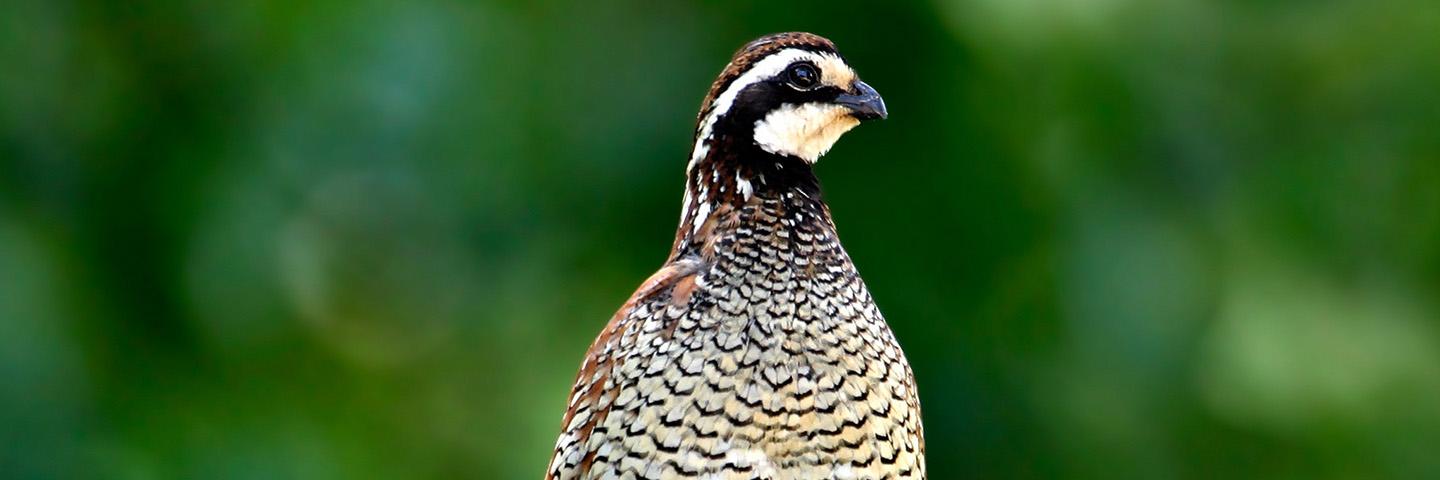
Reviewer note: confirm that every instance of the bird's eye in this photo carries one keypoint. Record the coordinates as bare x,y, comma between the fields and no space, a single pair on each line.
802,76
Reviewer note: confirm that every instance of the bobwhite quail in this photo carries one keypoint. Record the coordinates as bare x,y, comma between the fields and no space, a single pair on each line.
756,352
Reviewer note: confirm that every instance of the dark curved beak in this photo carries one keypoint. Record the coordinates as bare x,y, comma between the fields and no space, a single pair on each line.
864,102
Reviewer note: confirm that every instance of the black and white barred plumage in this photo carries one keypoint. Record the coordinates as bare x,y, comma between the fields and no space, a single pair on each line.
756,352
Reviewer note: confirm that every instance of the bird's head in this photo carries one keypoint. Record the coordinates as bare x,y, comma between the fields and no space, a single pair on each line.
789,94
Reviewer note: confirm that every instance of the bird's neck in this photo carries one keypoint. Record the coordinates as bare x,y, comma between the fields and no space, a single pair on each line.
730,183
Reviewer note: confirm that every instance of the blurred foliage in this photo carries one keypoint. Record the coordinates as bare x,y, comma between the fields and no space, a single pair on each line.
1118,239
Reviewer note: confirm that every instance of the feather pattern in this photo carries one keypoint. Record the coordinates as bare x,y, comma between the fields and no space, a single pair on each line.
756,352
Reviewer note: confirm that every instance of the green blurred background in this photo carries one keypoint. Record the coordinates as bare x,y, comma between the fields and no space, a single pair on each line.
1118,239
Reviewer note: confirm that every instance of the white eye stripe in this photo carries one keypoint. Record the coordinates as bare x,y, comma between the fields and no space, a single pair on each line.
764,70
833,71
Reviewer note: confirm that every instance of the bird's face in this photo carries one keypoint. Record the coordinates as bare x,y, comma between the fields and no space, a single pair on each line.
792,100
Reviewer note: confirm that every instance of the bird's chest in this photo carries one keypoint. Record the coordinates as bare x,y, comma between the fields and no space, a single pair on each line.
787,297
774,364
791,339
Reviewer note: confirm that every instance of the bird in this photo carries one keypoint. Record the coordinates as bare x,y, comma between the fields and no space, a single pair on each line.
756,351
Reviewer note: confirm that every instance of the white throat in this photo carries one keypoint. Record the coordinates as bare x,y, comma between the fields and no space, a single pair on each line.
805,131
